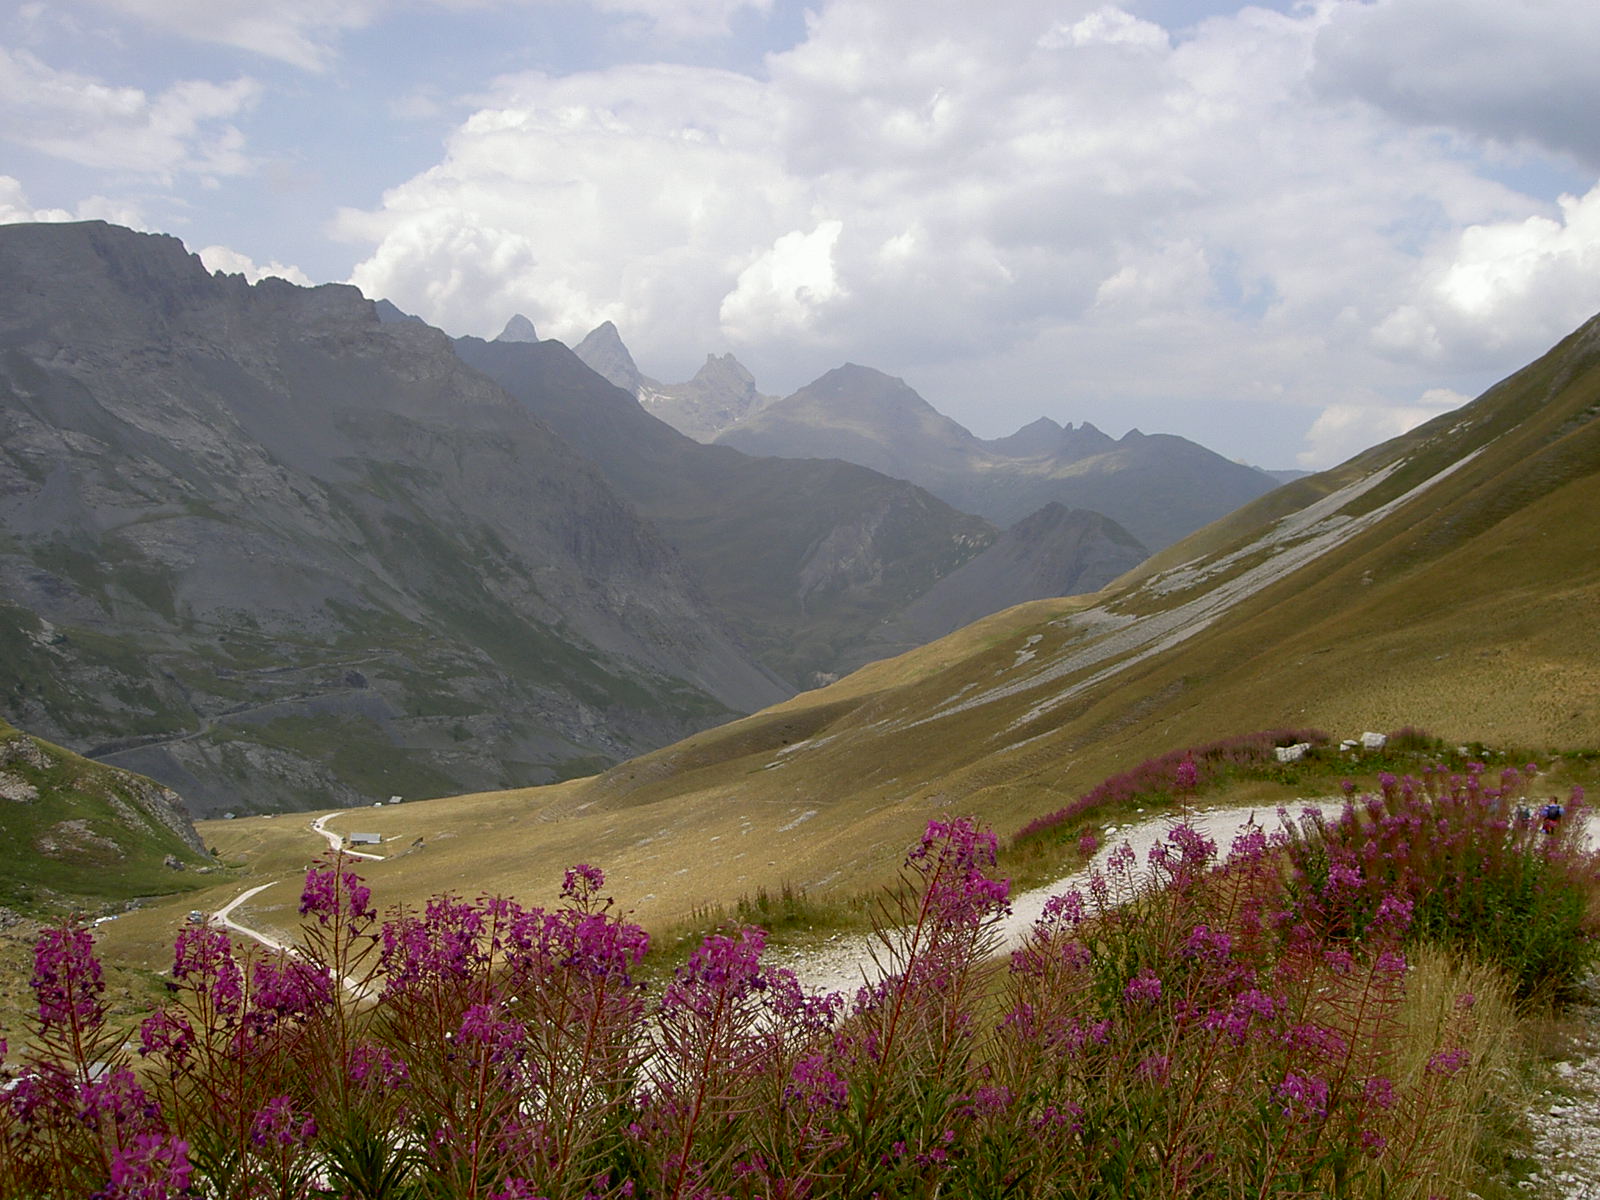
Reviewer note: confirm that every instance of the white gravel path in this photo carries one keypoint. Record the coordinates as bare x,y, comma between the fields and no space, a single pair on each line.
1566,1118
845,964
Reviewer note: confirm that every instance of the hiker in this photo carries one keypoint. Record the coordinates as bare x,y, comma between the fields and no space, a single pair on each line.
1552,813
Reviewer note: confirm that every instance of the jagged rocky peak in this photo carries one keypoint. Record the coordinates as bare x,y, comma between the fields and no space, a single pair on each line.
604,353
727,370
518,329
1034,440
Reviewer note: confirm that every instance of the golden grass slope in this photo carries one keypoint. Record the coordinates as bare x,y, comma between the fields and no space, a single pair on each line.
1449,579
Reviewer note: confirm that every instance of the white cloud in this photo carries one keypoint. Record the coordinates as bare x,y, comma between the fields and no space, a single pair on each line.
784,289
684,18
1343,430
1056,197
15,209
299,32
86,121
1503,288
231,262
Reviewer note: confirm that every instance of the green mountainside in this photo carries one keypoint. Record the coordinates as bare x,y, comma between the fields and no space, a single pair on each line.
82,836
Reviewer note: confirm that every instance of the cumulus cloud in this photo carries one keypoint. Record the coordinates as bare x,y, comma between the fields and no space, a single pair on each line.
1503,287
1059,195
1515,72
87,121
16,209
231,262
1342,430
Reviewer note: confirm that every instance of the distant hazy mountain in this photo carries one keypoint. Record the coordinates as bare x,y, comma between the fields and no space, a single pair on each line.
269,550
1054,552
721,394
1157,486
812,561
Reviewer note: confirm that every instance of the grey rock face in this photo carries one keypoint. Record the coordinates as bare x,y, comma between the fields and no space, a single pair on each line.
277,552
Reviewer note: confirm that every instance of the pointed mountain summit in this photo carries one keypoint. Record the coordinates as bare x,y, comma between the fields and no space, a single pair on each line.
604,353
1157,486
721,394
518,329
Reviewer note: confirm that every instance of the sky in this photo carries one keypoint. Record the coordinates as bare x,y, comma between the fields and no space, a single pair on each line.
1287,231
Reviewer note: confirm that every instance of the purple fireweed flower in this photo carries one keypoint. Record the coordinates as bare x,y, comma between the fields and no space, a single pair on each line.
166,1033
814,1084
1379,1092
287,988
1195,850
1088,843
373,1066
116,1097
331,894
516,1189
1448,1062
987,1101
1306,1096
953,859
202,957
1339,960
1391,963
1143,988
1205,942
442,945
66,978
1154,1069
1317,1039
1186,777
581,885
278,1124
150,1166
1052,1119
1122,859
1066,910
1373,1142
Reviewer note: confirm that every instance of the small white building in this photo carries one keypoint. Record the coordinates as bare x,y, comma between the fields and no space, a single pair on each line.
365,839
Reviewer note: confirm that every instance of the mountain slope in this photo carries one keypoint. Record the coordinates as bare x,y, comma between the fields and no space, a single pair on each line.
1158,487
1448,579
269,550
81,834
807,558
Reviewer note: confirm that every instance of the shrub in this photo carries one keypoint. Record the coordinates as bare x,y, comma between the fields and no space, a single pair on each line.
1178,1028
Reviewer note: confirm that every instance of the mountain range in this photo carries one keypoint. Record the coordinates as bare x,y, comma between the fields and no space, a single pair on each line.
279,546
821,566
1159,487
272,551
